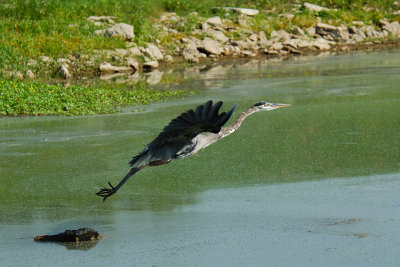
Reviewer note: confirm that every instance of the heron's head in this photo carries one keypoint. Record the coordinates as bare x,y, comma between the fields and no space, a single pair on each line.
269,106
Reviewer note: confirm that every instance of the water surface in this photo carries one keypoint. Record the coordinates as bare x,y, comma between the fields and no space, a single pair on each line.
344,122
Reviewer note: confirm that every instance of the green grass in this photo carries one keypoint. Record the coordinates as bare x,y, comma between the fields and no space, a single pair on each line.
58,28
18,98
32,28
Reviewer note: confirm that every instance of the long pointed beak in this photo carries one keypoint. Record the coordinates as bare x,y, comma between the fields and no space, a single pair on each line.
278,105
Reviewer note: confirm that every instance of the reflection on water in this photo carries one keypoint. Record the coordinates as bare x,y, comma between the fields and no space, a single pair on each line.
343,122
215,74
80,246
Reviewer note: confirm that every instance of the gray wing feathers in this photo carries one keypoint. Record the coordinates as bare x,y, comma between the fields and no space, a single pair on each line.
223,119
188,125
206,110
214,110
198,112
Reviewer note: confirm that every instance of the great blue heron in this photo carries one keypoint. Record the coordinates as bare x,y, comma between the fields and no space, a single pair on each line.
186,135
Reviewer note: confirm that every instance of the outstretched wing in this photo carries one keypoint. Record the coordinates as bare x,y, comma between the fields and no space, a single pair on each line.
191,123
182,129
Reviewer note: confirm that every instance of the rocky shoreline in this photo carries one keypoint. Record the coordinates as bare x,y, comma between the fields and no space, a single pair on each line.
213,38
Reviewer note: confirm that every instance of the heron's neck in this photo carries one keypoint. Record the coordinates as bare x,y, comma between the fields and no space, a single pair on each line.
204,140
237,123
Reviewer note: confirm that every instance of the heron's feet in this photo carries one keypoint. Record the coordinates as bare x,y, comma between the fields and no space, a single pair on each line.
106,192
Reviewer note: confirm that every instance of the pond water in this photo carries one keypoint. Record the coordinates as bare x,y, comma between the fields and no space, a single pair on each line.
273,193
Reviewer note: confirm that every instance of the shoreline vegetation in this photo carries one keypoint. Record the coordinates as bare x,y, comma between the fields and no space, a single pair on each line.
20,98
64,41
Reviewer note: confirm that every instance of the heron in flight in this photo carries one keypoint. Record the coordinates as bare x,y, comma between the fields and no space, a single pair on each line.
186,135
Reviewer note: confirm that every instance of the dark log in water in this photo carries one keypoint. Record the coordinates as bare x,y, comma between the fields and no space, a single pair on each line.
80,235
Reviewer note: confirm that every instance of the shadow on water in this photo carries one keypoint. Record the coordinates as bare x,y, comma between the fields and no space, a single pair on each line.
343,122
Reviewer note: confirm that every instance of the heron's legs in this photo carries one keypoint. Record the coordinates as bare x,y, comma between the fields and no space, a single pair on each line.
106,192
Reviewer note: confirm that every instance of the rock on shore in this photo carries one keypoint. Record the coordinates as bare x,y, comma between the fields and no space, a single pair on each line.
217,37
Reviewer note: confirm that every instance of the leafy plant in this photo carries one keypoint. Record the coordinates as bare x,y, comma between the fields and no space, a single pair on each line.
18,98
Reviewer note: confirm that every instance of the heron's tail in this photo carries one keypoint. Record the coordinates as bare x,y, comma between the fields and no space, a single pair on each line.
141,159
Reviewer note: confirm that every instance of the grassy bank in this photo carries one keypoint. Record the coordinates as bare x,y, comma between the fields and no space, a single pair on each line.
59,29
32,28
18,98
